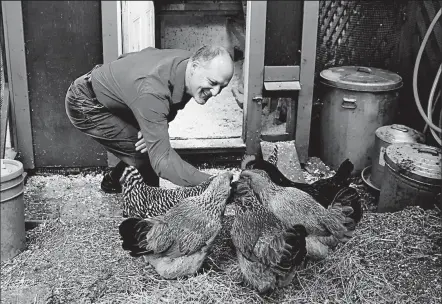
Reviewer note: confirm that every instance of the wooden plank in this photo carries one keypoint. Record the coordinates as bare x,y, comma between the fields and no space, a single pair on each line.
4,115
254,74
18,82
282,86
283,35
208,145
292,109
111,30
112,43
308,56
281,73
53,61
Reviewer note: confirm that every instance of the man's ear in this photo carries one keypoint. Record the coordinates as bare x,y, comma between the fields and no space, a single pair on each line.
194,64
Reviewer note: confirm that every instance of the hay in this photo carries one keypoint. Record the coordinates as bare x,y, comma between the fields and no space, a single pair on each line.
393,258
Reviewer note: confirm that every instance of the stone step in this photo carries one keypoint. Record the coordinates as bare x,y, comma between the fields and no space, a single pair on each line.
288,161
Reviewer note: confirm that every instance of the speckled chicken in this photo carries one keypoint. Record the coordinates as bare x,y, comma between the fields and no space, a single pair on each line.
176,243
143,201
326,227
325,191
269,251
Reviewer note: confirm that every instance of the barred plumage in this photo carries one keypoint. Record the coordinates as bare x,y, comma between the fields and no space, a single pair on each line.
176,244
143,201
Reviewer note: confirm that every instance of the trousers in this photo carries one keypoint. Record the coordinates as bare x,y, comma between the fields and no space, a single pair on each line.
116,134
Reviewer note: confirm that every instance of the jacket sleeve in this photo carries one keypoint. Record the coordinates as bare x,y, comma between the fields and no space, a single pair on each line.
150,110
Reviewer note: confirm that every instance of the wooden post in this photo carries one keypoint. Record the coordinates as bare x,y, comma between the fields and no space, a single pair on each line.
254,74
112,43
18,82
308,56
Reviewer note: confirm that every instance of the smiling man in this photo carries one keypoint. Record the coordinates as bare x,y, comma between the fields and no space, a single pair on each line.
126,105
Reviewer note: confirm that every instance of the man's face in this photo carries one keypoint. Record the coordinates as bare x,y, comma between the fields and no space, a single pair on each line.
208,79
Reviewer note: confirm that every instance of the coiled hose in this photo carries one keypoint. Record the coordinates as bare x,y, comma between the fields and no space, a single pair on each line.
430,108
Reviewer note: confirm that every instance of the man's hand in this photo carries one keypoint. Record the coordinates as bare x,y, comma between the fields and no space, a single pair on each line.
141,144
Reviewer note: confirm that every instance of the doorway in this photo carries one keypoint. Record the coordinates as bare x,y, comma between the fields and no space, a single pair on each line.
188,25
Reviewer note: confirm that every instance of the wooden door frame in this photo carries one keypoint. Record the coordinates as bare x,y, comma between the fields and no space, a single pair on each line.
306,78
15,52
112,42
254,74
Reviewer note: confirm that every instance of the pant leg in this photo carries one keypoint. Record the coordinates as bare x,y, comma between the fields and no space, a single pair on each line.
115,134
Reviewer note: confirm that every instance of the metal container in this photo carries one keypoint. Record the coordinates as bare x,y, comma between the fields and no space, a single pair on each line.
385,136
356,101
13,235
412,177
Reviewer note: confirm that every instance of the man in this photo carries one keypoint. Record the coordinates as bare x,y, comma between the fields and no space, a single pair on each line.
126,105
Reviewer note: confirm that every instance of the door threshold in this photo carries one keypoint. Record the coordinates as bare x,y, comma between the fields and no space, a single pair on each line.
208,145
206,152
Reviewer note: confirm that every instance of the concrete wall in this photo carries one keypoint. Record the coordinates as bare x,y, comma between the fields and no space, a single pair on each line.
180,31
191,24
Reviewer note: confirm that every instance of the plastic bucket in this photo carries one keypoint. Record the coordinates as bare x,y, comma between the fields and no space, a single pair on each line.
13,234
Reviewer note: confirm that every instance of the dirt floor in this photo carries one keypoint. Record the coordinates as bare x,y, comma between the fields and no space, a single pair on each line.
75,256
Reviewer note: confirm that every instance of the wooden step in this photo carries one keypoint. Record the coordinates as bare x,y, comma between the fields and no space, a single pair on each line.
208,145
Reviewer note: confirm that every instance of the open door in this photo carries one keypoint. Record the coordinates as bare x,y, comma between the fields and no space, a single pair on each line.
138,25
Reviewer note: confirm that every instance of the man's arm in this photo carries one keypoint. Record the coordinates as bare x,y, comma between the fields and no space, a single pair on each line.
151,110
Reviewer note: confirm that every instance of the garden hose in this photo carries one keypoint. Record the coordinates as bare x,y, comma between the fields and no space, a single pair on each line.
427,117
430,101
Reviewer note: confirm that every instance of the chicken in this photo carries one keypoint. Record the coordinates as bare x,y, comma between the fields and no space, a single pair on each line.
326,227
324,191
176,243
143,201
269,252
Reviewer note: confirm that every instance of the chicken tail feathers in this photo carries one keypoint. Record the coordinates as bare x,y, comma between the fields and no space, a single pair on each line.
132,232
339,222
295,247
348,196
344,171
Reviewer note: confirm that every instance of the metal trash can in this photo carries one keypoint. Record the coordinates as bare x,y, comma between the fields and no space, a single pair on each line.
356,101
13,234
385,136
412,177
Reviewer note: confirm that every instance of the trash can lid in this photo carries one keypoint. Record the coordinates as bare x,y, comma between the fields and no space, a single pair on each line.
417,161
10,169
359,78
397,133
